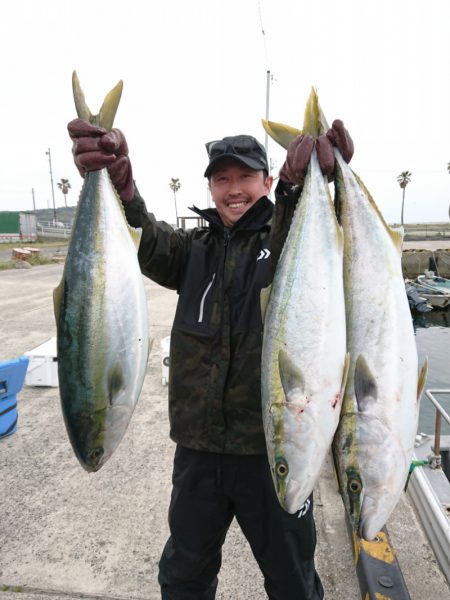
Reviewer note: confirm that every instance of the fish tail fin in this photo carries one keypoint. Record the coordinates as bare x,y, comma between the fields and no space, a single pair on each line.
283,134
314,123
107,113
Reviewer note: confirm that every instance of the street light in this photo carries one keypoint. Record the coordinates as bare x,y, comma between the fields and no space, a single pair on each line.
51,180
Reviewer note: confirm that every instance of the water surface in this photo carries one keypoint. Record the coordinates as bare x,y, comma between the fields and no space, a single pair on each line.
432,331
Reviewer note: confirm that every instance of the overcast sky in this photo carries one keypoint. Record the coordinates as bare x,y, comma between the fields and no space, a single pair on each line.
195,71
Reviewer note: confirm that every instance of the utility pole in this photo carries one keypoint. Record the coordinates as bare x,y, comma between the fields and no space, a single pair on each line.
51,180
34,202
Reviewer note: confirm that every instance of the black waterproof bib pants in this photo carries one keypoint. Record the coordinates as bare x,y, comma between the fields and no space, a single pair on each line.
208,491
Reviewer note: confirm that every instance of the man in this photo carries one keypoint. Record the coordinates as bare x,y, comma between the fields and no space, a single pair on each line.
220,465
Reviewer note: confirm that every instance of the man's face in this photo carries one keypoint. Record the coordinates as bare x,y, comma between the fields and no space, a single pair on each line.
235,188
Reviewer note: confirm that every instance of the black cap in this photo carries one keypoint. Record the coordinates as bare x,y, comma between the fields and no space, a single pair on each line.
244,148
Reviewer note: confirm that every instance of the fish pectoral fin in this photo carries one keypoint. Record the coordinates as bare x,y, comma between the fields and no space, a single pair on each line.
366,390
291,375
283,134
116,382
58,293
264,300
422,379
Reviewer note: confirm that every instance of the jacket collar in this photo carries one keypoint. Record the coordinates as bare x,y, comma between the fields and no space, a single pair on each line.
253,219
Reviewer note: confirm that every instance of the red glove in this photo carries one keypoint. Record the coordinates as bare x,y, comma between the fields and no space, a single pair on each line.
299,152
95,148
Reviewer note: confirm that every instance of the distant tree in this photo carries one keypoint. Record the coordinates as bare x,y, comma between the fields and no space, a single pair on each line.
403,179
64,186
175,186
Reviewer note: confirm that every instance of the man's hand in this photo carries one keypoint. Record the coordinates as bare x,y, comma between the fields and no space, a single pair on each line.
95,148
299,153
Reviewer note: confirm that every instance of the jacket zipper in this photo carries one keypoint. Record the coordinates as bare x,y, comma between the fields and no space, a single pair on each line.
202,301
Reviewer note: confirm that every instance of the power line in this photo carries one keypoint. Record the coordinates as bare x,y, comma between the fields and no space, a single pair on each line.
263,35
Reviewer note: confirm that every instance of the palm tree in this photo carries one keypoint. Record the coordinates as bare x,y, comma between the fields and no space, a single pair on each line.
64,186
403,179
175,186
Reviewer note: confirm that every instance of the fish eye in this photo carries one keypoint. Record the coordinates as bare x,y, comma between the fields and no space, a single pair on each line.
354,486
281,469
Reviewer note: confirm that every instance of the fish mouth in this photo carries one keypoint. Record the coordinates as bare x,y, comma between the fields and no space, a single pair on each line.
95,459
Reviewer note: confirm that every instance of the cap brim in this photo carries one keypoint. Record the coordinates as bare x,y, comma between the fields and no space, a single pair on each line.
257,165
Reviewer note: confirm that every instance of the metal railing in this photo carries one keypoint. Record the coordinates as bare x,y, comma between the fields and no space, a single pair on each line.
440,413
52,230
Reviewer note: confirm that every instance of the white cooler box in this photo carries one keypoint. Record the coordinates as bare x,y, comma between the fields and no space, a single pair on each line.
165,360
43,365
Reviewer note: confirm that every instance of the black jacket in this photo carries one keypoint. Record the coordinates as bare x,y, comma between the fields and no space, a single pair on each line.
216,339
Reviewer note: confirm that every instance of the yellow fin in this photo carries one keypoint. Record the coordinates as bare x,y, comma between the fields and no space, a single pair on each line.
82,109
105,118
57,299
422,379
264,299
397,234
345,374
135,236
283,134
314,121
109,107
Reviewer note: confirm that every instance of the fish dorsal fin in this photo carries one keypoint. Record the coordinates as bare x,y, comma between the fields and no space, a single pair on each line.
290,374
105,117
422,378
264,300
366,390
396,234
314,123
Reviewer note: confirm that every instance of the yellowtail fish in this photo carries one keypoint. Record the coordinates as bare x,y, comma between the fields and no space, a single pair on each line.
304,361
101,313
374,443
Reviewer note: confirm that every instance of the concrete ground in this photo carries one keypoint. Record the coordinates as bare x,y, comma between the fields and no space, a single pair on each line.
67,534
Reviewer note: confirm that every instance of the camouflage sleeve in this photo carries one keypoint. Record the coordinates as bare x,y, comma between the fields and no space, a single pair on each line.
163,249
286,198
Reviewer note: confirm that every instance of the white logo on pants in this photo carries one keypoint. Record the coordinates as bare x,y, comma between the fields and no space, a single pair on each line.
304,508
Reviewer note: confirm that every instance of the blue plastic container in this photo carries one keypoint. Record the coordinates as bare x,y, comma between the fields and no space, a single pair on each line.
12,375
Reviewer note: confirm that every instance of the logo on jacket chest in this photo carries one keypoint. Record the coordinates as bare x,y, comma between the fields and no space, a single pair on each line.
263,255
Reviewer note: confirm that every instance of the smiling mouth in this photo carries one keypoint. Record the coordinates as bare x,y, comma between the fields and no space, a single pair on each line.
237,204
